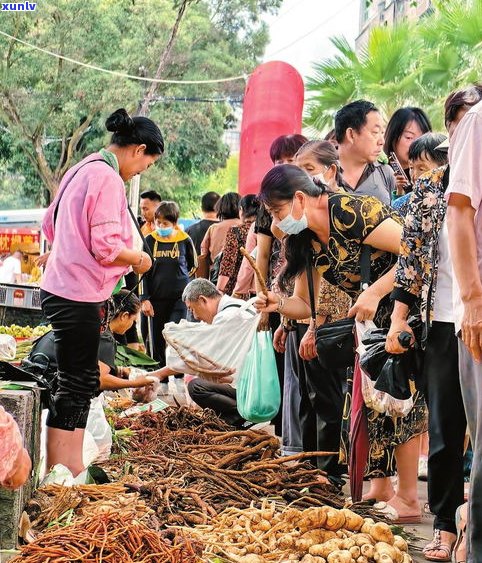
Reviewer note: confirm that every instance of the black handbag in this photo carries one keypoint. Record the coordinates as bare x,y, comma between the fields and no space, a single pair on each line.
335,342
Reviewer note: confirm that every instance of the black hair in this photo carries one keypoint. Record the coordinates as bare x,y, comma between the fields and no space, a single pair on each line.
228,206
280,185
461,99
399,121
152,195
286,146
129,130
168,210
126,301
209,200
249,205
427,145
324,152
354,116
330,136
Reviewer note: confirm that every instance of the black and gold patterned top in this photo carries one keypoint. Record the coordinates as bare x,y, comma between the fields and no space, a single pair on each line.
352,219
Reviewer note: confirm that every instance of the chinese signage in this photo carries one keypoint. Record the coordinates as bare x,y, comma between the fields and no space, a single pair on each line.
17,237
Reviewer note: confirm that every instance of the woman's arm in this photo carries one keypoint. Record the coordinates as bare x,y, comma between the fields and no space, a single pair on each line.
386,236
139,260
296,307
263,253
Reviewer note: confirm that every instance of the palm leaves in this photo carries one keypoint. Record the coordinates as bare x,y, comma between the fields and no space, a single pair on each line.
411,63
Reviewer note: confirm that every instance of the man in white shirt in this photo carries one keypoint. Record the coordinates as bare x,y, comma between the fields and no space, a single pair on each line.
209,305
464,220
11,269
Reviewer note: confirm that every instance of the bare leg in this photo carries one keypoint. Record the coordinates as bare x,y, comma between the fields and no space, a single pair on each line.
65,447
424,444
381,489
405,500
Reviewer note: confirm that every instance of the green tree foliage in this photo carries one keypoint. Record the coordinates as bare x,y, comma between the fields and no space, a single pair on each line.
52,111
413,63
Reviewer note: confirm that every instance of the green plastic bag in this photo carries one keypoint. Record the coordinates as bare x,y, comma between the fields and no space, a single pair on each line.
258,394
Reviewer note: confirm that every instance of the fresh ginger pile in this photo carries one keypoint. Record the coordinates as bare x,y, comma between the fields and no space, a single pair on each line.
315,535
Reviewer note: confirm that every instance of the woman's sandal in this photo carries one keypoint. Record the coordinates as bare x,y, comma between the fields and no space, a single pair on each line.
391,514
460,546
437,545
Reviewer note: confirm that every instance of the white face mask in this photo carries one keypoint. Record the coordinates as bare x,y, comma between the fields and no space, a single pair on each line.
320,177
291,226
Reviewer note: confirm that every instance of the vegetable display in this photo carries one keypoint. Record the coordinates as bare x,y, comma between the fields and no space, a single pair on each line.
314,535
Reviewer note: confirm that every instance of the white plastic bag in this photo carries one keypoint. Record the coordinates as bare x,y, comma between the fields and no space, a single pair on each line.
8,347
212,350
99,429
145,394
378,400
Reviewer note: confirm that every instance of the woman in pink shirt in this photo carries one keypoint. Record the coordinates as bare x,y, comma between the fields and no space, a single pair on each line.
15,464
88,228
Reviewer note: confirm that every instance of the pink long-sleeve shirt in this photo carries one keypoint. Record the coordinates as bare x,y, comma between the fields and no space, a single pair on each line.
10,443
91,229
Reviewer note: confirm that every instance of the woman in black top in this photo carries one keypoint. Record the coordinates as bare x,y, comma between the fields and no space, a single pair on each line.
335,227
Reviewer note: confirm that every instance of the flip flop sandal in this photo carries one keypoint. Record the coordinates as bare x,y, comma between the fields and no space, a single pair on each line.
460,547
392,514
437,545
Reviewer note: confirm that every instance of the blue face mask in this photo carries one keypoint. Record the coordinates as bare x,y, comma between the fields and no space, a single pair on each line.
164,232
291,226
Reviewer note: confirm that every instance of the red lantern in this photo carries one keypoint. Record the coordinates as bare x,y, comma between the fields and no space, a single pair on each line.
273,106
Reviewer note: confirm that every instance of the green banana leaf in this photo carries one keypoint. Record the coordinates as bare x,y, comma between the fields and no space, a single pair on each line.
126,356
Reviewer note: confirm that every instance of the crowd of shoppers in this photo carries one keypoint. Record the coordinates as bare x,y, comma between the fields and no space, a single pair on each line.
378,242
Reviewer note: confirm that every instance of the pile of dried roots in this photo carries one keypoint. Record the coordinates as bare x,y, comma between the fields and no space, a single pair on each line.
109,536
189,467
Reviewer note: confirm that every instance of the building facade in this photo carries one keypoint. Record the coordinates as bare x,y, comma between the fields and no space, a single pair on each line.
388,12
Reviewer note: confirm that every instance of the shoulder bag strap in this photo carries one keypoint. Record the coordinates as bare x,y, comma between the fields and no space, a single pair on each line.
56,210
311,289
136,223
365,267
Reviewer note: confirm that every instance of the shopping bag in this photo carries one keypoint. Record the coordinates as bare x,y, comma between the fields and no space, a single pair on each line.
213,350
379,401
258,395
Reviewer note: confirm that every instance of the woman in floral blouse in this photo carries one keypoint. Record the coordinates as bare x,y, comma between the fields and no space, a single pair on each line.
235,239
423,279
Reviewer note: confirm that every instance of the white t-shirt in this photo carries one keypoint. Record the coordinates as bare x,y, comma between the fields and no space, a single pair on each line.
443,310
466,179
10,268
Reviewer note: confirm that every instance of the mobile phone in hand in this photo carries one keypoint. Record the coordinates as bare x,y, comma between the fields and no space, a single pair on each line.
397,168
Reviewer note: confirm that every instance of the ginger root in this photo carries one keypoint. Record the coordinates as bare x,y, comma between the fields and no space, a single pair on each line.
353,521
335,519
400,543
339,556
381,532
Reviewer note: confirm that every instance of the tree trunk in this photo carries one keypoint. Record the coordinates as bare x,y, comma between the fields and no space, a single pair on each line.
150,92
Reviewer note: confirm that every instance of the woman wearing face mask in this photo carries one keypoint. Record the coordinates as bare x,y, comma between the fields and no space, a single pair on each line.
318,411
334,227
319,159
93,250
175,260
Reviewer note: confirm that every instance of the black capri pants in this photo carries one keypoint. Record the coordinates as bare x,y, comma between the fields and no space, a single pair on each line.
76,327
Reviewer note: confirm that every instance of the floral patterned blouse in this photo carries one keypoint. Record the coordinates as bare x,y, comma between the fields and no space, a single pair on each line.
416,274
232,257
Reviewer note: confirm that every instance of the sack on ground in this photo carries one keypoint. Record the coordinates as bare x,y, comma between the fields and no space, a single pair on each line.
258,395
